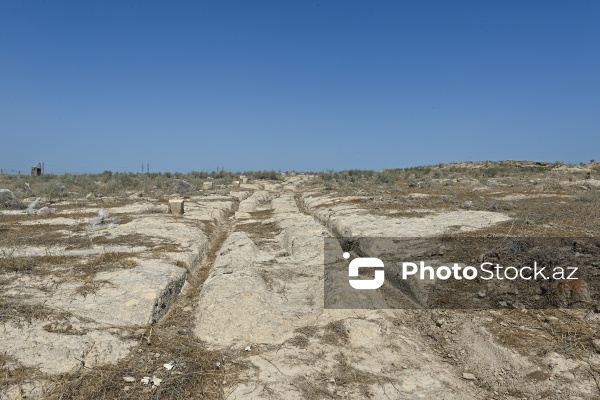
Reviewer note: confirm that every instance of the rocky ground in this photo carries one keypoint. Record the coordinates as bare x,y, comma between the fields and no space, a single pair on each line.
116,297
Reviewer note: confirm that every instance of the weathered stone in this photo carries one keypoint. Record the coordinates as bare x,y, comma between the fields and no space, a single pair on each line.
181,186
176,207
53,353
242,215
134,296
468,376
207,185
251,203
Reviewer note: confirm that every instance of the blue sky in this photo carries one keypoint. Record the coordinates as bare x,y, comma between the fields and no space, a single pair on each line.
87,86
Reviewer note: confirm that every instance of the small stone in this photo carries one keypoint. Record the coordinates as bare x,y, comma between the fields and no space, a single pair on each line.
248,348
468,376
176,207
129,379
168,366
145,380
481,293
156,381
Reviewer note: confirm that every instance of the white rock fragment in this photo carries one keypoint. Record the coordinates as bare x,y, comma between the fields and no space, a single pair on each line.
154,380
129,379
44,211
248,348
103,215
168,366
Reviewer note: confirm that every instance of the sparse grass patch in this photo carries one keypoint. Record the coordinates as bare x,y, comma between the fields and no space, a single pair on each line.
591,196
17,310
156,210
197,374
103,262
343,375
90,286
260,230
335,333
535,334
132,240
208,227
13,374
309,331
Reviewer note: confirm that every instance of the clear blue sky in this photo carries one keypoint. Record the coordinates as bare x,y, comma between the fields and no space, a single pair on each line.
87,86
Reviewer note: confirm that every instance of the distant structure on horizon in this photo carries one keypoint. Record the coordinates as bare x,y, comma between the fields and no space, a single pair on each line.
37,170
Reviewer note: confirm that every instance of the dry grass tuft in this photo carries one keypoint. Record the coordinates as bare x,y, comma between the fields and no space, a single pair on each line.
17,311
540,332
335,333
